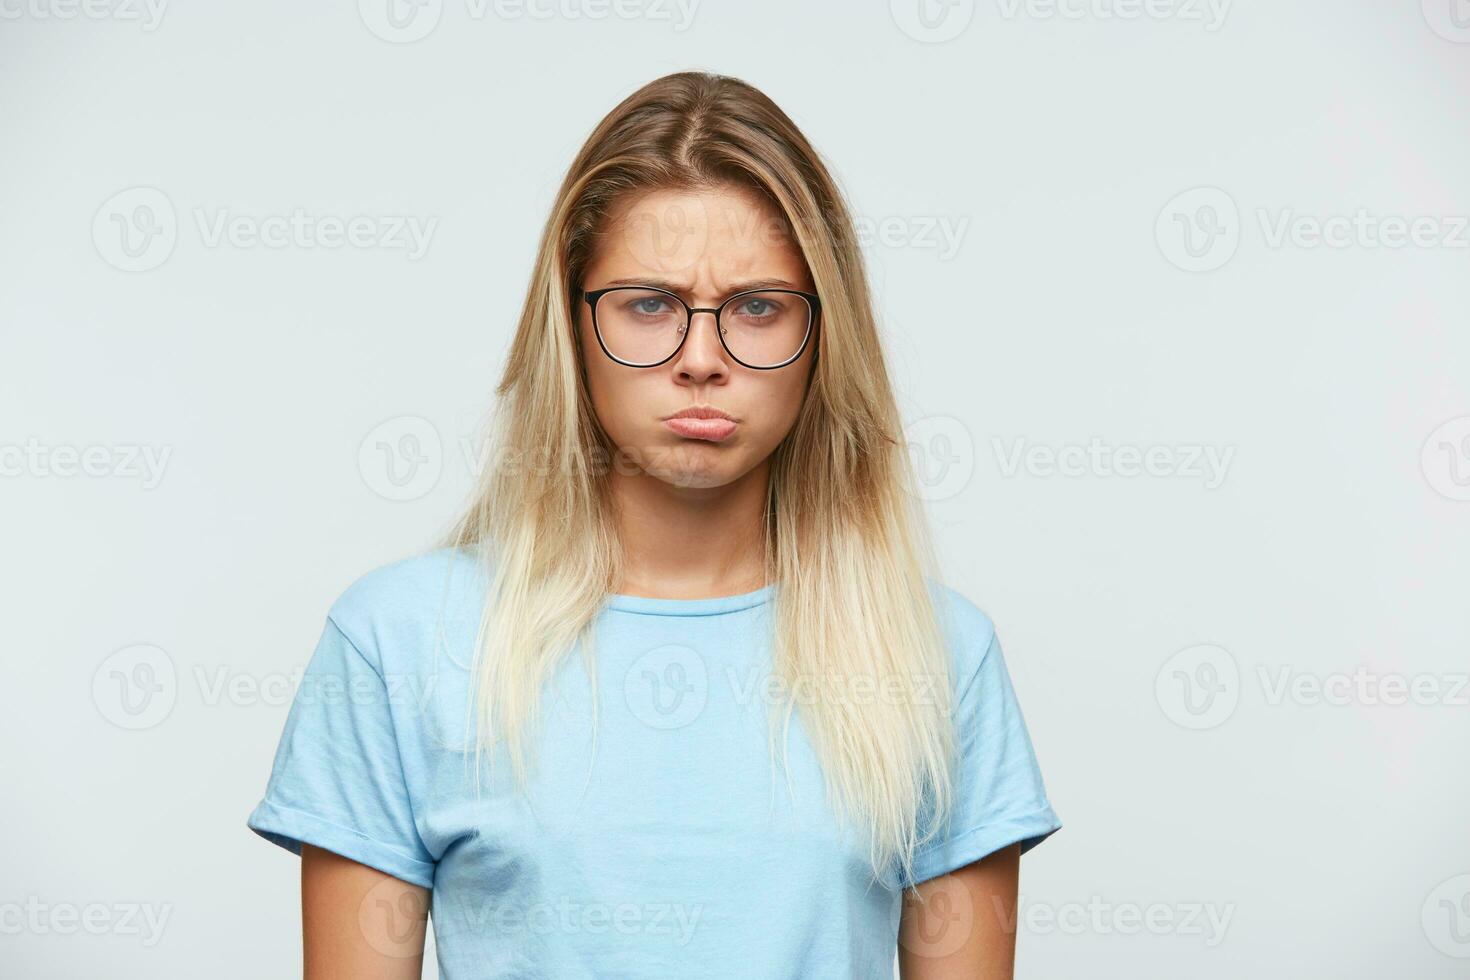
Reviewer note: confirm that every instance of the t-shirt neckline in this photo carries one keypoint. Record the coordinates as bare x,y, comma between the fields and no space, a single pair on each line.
709,606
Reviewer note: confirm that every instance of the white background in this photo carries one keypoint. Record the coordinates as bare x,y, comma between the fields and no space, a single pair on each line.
1080,307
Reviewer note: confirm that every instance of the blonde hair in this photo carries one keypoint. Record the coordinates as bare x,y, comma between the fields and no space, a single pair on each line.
845,536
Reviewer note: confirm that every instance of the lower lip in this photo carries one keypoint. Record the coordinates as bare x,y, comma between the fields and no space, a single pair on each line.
714,430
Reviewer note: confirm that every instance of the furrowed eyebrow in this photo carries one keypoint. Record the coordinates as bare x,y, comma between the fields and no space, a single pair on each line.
682,289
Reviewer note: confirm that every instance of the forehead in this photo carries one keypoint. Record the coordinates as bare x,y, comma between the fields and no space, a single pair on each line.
705,234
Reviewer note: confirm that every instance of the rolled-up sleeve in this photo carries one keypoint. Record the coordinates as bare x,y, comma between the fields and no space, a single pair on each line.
338,780
999,796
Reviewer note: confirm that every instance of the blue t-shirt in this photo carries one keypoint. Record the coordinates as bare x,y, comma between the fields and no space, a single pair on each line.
678,848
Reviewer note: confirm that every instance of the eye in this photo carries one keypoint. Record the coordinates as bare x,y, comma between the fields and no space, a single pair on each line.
649,305
756,308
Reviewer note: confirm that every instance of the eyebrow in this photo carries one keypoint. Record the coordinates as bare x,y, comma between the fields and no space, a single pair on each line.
681,288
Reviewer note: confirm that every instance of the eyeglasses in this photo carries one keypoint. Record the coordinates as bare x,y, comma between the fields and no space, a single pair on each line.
643,326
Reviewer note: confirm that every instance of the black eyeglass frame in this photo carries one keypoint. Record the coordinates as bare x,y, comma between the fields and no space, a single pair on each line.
813,301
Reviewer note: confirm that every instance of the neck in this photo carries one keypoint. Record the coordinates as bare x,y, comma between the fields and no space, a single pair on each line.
690,542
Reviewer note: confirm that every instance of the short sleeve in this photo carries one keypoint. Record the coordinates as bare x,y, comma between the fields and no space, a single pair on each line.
999,796
338,781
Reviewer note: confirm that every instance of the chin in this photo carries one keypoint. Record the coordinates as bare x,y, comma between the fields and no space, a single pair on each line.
695,481
693,476
693,465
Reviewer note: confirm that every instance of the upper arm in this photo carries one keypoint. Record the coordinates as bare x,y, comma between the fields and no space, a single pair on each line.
341,794
358,923
963,924
999,797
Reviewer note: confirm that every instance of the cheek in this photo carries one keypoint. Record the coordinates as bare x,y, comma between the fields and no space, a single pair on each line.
779,404
604,386
617,393
601,383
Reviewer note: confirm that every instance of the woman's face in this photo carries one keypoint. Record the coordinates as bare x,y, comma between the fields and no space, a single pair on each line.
704,246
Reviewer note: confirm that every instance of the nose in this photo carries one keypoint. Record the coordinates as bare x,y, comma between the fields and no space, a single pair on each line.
702,355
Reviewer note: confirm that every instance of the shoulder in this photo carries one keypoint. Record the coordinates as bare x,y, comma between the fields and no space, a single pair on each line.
402,587
968,630
964,622
395,607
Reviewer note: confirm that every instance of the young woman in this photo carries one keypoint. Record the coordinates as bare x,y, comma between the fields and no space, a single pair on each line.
681,695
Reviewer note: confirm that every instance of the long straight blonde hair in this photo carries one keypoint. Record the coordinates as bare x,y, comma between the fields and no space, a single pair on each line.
844,534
